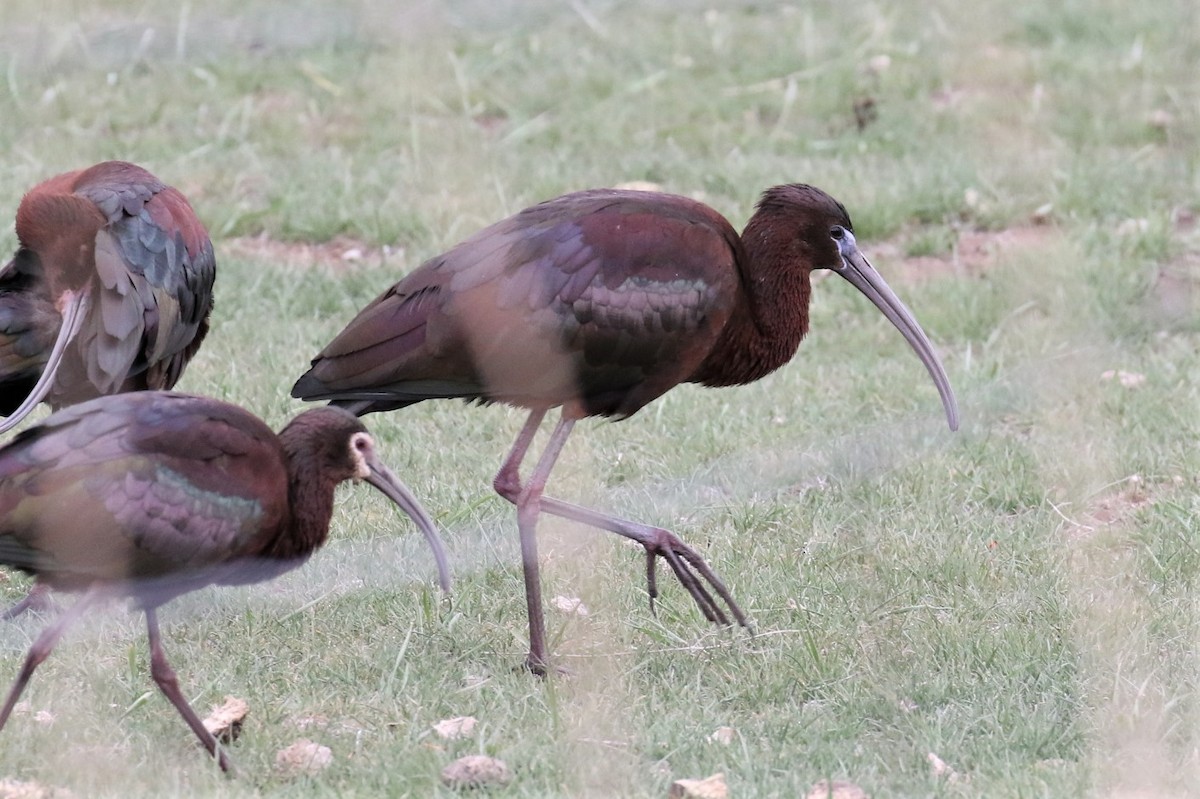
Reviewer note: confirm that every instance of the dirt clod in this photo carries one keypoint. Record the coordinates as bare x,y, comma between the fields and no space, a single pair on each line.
476,771
943,770
708,788
303,757
225,721
457,727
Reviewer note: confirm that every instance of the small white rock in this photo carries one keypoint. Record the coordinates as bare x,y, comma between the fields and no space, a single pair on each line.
1126,379
942,769
1131,226
880,63
457,727
723,735
1160,118
225,721
304,757
570,604
713,787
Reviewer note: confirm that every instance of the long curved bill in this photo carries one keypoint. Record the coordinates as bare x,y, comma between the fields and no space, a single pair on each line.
74,307
858,270
382,478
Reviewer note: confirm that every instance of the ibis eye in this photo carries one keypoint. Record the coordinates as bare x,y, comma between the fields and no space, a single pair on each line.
837,232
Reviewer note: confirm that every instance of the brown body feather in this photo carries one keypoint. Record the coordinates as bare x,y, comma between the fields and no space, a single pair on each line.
136,250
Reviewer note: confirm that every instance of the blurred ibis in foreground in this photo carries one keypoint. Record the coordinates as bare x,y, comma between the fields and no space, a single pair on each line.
149,495
109,291
599,302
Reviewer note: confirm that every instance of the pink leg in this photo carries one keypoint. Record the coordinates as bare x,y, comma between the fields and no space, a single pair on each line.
508,479
691,570
38,598
684,561
168,683
528,507
43,646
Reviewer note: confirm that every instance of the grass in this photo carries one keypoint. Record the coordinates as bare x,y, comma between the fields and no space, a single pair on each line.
1007,598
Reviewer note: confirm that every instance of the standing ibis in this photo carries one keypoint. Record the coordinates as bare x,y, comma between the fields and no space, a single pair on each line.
109,291
149,495
599,302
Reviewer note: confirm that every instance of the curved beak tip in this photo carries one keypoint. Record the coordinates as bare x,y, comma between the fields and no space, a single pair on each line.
382,478
860,274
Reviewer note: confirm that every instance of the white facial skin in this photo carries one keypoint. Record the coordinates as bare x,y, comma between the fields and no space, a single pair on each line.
361,447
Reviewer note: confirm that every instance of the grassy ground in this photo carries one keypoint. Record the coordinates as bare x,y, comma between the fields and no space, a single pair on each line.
1017,598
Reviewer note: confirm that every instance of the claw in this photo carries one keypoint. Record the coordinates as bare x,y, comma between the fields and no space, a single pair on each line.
651,579
693,573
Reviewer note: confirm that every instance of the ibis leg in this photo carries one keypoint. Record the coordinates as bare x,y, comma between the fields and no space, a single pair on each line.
687,564
42,647
689,567
38,598
168,683
528,507
508,479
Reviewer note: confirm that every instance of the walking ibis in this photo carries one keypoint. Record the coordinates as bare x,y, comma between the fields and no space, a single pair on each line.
599,302
149,495
110,289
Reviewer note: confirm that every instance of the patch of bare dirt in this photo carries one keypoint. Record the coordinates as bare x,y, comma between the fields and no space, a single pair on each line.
1176,291
973,253
1118,504
340,252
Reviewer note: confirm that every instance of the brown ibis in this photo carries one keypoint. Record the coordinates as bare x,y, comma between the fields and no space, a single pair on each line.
599,302
149,495
110,289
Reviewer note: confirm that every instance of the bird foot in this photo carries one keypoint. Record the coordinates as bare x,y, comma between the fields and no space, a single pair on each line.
696,575
539,668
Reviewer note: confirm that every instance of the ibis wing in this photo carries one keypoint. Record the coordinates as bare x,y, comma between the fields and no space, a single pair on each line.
594,296
155,266
166,483
655,284
154,298
179,268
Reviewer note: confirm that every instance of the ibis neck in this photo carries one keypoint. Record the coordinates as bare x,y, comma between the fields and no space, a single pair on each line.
771,314
310,497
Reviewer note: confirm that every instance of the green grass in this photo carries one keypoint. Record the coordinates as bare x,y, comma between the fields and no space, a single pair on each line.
913,591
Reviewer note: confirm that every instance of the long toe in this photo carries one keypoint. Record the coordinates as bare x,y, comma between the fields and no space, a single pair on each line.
695,575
